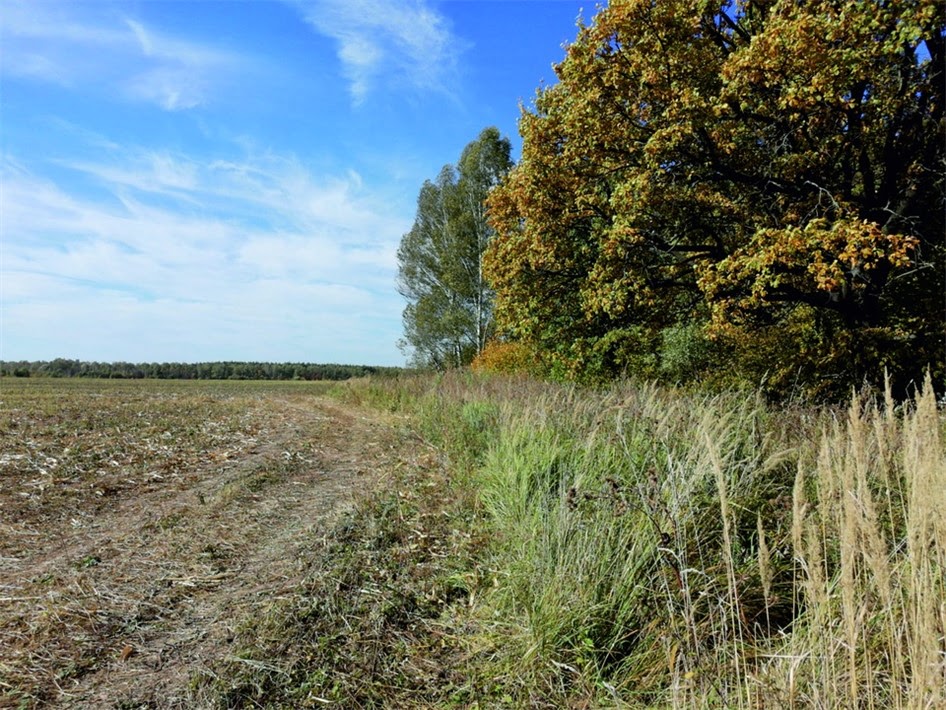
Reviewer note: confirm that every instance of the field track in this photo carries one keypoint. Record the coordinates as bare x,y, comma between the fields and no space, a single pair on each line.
141,523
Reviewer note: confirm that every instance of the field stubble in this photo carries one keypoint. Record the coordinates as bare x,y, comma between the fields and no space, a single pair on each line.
141,522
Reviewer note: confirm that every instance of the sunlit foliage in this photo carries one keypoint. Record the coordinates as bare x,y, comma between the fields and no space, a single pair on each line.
449,314
769,173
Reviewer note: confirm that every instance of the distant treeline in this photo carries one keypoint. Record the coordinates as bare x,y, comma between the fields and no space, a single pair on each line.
62,367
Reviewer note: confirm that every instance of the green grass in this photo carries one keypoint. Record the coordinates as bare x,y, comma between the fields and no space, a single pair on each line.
657,548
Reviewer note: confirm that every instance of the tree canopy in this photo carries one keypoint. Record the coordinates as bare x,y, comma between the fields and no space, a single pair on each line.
229,370
449,315
758,182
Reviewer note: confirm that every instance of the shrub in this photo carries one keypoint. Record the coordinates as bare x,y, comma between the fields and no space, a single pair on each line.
507,358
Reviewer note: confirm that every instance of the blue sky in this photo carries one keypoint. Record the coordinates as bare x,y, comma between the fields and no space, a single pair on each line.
193,181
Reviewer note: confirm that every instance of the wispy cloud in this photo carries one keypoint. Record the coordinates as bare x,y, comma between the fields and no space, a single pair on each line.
251,255
120,56
277,190
178,74
265,214
403,43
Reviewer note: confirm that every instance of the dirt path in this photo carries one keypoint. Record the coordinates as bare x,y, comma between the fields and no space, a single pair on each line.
123,609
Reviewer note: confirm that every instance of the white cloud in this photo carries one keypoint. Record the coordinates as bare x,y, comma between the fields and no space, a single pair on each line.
397,42
73,46
57,21
262,319
173,89
277,189
181,262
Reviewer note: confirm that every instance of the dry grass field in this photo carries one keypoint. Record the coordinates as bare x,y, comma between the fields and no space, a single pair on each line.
464,541
141,522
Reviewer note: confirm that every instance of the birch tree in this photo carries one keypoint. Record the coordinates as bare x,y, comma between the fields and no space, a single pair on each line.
449,314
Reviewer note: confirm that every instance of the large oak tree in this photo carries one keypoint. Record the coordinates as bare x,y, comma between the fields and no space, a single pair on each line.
770,171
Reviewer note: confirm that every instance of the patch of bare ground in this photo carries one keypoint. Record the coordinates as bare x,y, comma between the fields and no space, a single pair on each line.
125,572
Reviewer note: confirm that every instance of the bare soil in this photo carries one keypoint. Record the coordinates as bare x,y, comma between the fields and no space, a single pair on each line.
138,529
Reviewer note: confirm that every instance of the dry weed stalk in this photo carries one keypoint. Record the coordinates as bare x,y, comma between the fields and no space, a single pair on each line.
872,556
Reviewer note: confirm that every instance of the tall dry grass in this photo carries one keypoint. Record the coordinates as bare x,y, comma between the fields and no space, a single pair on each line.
651,547
869,540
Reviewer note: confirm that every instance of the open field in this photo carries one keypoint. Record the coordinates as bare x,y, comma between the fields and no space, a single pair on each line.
465,541
141,522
